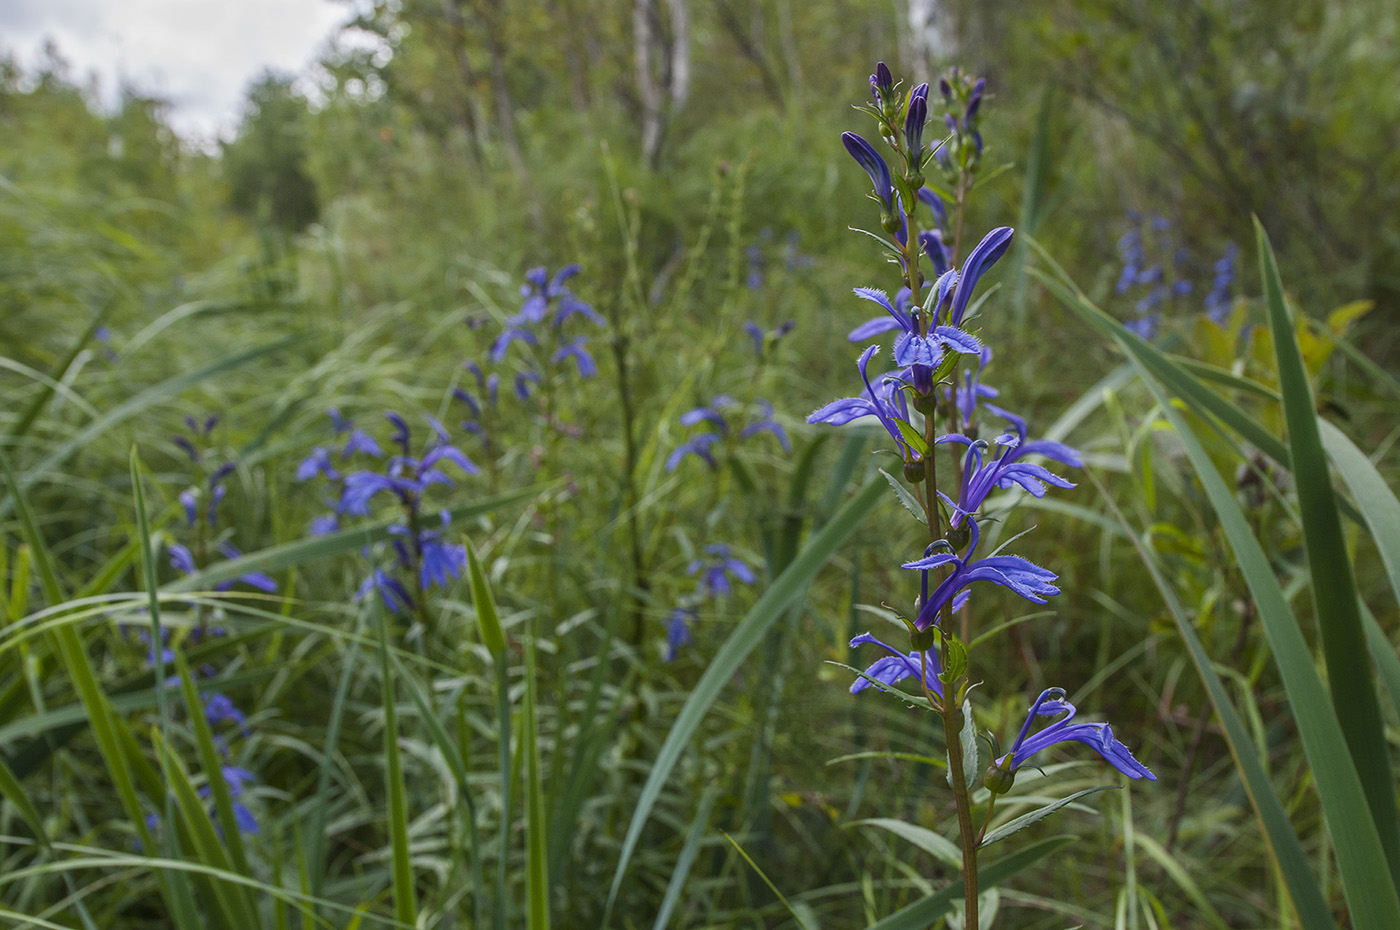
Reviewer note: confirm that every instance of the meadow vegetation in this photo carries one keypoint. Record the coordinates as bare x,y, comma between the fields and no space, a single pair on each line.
462,620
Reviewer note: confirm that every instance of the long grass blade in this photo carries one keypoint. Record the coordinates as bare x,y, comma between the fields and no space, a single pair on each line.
676,885
405,901
536,839
1333,585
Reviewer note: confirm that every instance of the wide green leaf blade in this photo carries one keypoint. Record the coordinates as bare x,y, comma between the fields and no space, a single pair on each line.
1360,856
1333,584
786,588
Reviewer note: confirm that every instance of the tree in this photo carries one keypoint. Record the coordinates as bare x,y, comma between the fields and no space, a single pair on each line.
266,163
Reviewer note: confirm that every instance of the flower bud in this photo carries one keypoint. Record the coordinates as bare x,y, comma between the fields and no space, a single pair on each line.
914,471
998,780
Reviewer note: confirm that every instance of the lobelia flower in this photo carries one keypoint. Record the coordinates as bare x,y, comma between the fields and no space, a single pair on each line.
1006,470
220,707
715,567
971,390
698,446
182,560
574,348
702,445
869,159
235,777
391,591
882,84
766,424
914,120
898,666
888,405
1024,577
1097,736
1218,302
678,630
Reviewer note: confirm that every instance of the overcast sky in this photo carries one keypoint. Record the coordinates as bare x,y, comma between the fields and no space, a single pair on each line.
199,55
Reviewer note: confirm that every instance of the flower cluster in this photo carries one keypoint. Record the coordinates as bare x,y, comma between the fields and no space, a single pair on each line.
418,550
933,336
714,569
201,502
548,305
718,430
1148,271
1219,300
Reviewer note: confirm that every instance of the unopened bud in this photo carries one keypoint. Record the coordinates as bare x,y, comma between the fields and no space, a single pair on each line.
998,780
914,471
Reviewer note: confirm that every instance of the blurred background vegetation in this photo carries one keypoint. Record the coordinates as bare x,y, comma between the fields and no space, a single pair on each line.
380,213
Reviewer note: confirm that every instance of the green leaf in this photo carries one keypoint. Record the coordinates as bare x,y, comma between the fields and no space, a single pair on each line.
536,841
910,502
401,855
972,771
935,844
922,914
786,588
1025,820
1333,585
486,616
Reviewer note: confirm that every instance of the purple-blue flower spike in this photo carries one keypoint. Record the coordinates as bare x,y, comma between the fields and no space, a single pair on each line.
1097,736
869,159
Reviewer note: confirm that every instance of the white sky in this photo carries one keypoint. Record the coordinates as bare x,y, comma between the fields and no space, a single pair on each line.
200,55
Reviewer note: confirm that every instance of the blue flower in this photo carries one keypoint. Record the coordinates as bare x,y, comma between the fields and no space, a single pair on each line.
985,254
523,380
259,580
1025,578
914,120
570,305
678,631
497,352
235,777
1097,736
766,424
881,84
442,562
575,348
219,707
887,405
869,159
1005,470
391,591
698,446
317,463
710,414
715,566
898,666
971,390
